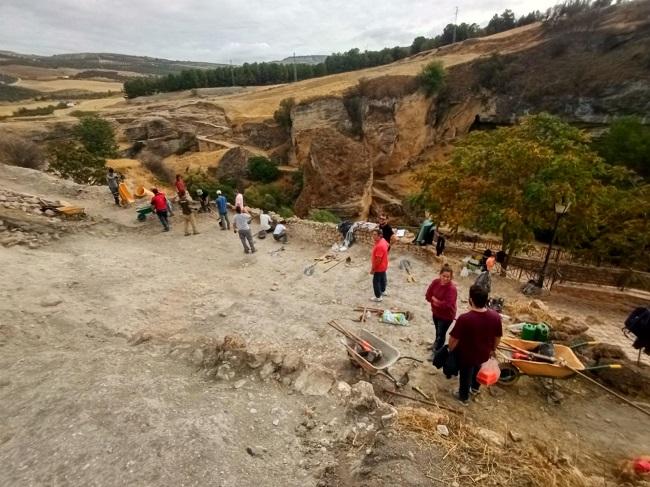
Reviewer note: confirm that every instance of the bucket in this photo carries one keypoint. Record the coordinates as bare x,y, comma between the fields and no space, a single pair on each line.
529,331
141,192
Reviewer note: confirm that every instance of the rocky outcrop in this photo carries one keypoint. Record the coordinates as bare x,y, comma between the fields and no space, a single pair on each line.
233,165
160,136
265,135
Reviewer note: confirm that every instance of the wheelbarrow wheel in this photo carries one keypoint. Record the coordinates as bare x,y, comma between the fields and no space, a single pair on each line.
509,374
142,217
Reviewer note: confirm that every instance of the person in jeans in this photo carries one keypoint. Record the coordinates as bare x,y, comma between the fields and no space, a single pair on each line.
184,202
474,339
113,181
442,295
379,265
159,204
222,206
241,224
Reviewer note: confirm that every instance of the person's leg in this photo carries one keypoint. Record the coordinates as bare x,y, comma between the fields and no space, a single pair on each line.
376,286
475,385
225,218
249,237
464,379
442,326
242,237
186,220
116,197
193,223
384,283
162,216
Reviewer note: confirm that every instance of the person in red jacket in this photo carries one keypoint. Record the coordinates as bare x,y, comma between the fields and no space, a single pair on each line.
379,265
442,294
180,184
159,204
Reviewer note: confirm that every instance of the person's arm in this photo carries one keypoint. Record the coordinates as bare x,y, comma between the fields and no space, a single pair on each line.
453,343
449,301
456,333
429,293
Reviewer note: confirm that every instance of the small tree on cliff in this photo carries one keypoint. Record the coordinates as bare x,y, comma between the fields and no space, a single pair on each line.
507,181
432,77
283,114
97,136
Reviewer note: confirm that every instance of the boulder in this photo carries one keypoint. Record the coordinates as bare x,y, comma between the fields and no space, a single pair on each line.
233,165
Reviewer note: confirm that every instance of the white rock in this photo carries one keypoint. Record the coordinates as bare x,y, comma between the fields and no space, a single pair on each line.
442,430
240,383
276,422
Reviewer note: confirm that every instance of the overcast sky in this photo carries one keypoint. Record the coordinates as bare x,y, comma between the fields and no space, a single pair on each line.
241,30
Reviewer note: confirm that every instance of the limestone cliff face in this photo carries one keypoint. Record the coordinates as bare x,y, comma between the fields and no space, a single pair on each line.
351,166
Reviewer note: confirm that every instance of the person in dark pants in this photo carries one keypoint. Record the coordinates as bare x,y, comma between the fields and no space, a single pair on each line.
474,339
379,266
159,204
113,181
241,224
386,230
442,294
440,245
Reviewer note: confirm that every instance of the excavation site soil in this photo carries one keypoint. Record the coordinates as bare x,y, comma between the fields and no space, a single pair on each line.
136,357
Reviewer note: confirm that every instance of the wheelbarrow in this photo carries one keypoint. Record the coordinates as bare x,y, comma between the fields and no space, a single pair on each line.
142,212
518,358
388,357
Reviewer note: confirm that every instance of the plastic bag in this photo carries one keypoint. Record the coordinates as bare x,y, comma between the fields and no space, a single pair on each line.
394,318
489,372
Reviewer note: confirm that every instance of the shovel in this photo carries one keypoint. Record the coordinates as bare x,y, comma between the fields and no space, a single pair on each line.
406,265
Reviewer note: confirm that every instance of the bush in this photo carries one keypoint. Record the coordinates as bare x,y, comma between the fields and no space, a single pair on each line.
200,179
158,168
492,73
71,160
323,216
97,136
267,196
33,112
283,114
432,77
285,212
262,169
17,151
354,106
627,143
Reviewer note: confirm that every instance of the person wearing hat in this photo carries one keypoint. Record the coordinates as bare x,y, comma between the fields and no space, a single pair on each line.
280,232
222,206
203,199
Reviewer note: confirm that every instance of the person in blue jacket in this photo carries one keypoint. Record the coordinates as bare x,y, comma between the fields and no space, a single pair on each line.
222,206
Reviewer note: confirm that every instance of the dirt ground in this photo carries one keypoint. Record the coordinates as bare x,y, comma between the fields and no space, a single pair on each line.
86,403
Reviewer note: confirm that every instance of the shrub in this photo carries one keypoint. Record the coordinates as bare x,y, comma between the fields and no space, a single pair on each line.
627,142
158,168
200,179
33,112
267,196
323,216
285,212
17,151
70,160
97,136
262,169
432,77
354,106
283,114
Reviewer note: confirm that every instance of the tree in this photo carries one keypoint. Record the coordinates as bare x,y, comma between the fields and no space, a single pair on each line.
432,77
507,181
262,169
417,44
283,114
627,142
71,160
97,136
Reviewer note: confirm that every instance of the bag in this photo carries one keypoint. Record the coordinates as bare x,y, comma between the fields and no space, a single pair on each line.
485,281
440,356
489,372
638,323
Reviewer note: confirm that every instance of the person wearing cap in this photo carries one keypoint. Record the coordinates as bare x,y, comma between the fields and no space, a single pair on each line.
203,199
184,201
222,206
280,232
159,205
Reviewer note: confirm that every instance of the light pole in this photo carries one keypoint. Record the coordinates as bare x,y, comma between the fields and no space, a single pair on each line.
561,209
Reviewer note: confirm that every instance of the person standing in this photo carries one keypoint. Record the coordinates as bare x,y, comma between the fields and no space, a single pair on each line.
474,339
113,181
379,265
386,230
440,245
241,224
159,204
188,217
239,200
442,294
180,184
222,207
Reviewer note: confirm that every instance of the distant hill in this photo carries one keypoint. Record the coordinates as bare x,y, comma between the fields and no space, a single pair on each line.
104,61
315,59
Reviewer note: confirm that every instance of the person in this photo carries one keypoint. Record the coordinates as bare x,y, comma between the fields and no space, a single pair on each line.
222,207
180,184
386,230
280,232
474,339
379,265
203,199
184,201
440,245
113,181
241,224
442,294
159,204
239,200
266,222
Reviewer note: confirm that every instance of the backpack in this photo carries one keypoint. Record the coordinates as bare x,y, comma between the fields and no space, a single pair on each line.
638,324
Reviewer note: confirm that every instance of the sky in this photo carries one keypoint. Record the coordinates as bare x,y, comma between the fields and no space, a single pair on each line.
237,30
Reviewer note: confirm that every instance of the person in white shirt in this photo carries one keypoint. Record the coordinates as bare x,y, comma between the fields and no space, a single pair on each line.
266,222
280,232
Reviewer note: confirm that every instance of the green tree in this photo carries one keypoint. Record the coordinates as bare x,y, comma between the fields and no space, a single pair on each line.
627,143
283,114
432,77
71,160
507,182
262,169
97,136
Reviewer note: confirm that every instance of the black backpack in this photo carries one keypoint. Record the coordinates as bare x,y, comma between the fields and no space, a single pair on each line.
638,324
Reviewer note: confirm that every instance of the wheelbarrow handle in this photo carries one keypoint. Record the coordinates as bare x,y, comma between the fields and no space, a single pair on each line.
583,344
608,366
410,358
